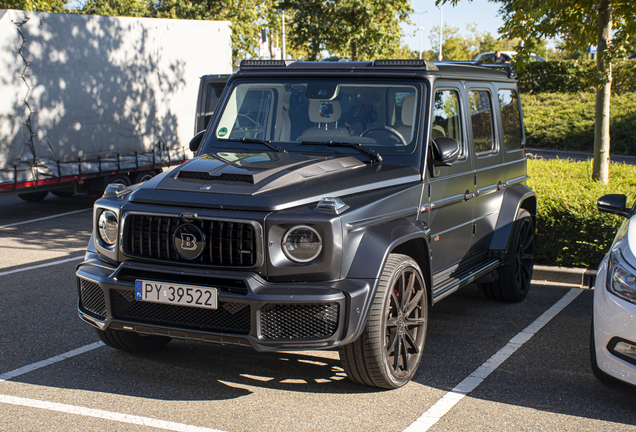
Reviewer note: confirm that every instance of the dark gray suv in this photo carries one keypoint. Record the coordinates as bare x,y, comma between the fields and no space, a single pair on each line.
329,205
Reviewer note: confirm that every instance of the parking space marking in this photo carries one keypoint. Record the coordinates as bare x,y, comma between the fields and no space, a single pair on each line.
106,415
75,258
446,403
44,218
58,358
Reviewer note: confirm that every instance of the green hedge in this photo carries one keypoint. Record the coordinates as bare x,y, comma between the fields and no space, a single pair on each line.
565,121
570,229
573,76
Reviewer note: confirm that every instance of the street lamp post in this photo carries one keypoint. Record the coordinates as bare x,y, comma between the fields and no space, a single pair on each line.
420,29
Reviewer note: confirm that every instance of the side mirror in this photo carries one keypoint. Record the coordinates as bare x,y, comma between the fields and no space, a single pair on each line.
614,204
445,151
195,142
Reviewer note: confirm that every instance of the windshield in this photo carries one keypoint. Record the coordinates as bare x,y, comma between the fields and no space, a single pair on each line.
304,115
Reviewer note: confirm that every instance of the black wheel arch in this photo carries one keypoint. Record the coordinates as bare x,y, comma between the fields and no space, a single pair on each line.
401,236
515,198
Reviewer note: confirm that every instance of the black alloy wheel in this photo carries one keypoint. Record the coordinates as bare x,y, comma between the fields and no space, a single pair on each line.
389,351
515,273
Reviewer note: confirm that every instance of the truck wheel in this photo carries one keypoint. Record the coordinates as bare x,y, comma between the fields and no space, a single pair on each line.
144,176
598,373
516,271
131,341
34,196
119,178
388,352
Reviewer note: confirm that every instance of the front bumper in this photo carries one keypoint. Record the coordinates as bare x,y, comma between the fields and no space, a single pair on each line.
251,311
613,318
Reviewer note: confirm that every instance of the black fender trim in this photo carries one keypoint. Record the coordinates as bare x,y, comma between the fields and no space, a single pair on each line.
515,198
373,252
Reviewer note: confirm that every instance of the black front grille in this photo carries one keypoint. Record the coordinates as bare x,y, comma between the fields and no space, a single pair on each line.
299,321
228,318
230,244
92,299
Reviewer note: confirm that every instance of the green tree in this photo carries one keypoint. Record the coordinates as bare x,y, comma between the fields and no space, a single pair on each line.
58,6
607,24
131,8
357,29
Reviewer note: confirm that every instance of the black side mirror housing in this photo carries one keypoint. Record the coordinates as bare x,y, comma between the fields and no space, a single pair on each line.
614,204
195,142
445,151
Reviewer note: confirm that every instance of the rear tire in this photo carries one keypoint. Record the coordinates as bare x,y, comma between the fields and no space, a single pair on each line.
389,350
515,274
598,373
119,178
34,196
131,341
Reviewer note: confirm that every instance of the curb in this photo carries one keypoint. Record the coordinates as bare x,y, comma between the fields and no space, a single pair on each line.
564,276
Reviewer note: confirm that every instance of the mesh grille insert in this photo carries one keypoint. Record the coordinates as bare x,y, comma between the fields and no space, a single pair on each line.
229,317
299,321
92,299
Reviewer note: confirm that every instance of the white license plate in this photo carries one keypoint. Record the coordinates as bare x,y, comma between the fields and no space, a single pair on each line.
175,294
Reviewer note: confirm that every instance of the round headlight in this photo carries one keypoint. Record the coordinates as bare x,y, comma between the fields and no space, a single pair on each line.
108,227
301,244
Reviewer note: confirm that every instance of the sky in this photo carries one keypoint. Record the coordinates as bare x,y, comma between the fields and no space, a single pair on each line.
480,12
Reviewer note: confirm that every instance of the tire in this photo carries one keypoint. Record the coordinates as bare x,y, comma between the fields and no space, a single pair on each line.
34,196
63,194
515,273
119,178
389,350
131,341
144,176
598,373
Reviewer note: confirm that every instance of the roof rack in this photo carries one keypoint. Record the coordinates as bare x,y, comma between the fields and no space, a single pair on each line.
509,68
265,63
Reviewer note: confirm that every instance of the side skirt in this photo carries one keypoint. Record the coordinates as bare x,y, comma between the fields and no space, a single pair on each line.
464,273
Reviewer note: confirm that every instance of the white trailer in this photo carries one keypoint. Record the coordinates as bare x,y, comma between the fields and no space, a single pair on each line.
87,100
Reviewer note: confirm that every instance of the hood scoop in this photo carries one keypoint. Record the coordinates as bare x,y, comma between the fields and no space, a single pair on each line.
198,175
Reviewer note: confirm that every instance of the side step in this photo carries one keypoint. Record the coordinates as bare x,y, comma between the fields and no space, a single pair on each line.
450,280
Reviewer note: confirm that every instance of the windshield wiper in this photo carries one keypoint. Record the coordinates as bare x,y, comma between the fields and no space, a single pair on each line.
374,155
254,141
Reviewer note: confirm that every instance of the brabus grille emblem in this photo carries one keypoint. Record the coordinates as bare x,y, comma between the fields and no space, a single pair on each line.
189,241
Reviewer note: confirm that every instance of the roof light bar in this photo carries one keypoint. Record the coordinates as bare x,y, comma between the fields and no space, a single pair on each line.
407,63
264,63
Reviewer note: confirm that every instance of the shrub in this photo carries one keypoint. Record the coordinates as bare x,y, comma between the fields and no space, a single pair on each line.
573,76
565,121
570,229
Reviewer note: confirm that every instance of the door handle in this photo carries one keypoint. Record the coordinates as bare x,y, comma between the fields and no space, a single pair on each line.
468,195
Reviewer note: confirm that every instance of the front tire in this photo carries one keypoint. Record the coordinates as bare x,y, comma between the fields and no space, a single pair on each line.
515,274
131,341
389,351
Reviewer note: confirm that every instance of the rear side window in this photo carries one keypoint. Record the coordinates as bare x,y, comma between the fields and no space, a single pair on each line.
446,121
510,119
481,121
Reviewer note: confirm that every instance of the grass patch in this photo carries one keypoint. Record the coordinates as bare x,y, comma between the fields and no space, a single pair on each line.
565,121
571,231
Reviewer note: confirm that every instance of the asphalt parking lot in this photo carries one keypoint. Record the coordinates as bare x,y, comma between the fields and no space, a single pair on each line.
487,365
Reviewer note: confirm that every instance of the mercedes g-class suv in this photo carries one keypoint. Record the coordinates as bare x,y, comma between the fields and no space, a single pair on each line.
330,204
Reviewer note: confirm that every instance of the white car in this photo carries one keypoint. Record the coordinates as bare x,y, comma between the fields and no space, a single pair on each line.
613,332
507,55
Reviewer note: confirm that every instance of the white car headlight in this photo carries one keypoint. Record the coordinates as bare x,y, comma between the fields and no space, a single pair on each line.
621,277
108,227
301,244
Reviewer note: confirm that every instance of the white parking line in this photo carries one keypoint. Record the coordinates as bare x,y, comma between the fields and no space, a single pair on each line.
444,405
45,218
75,258
106,415
34,366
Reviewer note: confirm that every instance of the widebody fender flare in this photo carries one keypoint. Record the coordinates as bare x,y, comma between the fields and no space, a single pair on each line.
515,198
